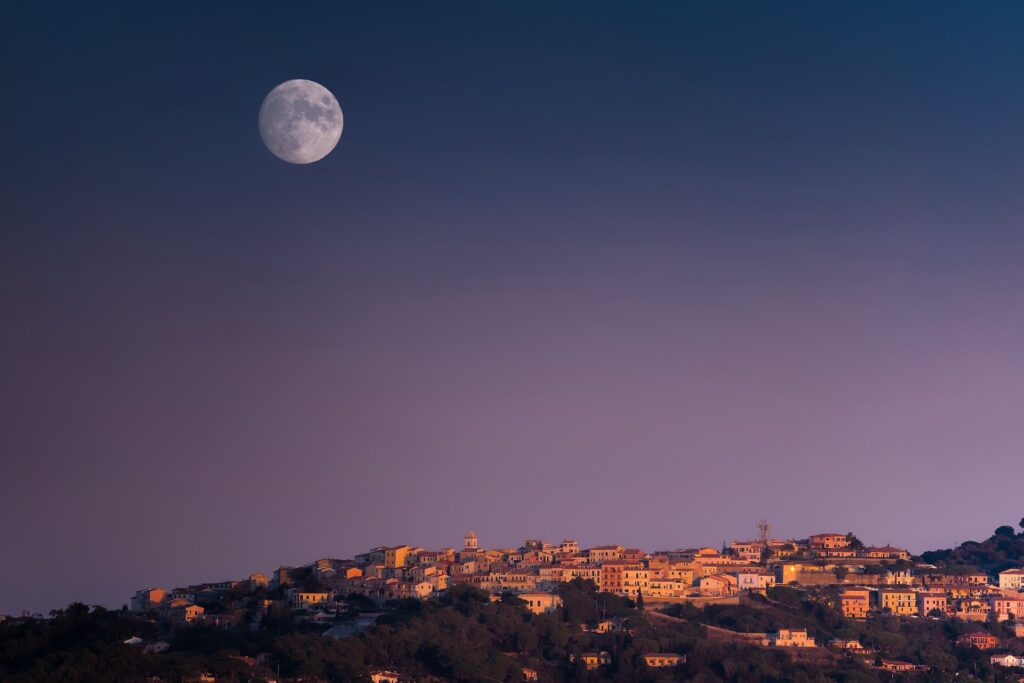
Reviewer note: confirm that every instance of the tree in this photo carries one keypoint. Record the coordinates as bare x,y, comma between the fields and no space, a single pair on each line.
840,573
639,599
1004,531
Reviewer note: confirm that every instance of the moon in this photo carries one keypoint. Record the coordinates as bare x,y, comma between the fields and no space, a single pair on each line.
300,121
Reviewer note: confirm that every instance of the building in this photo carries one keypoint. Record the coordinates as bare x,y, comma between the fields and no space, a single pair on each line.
397,556
979,639
1008,661
1012,578
896,665
754,581
469,541
301,600
605,553
569,547
786,637
829,541
530,674
1005,607
613,576
540,603
886,552
931,601
592,660
147,599
185,613
855,603
718,585
657,660
897,601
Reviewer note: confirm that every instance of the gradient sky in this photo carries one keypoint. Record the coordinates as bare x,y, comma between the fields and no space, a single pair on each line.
636,273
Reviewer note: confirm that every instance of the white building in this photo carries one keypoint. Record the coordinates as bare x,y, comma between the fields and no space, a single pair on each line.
1012,578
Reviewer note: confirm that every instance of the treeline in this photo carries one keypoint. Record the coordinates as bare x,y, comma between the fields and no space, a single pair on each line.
1004,549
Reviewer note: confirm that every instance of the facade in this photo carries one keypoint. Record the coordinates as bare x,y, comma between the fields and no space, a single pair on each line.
301,600
982,641
1006,607
592,660
786,637
1012,578
754,581
148,598
657,660
1008,661
930,601
540,603
855,603
829,541
896,601
605,553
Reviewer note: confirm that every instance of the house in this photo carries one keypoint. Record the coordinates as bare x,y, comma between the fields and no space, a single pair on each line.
569,547
786,637
529,674
257,579
604,553
886,552
1012,578
978,639
930,601
1008,661
397,556
185,613
592,660
614,579
302,600
147,599
541,603
841,644
901,602
718,585
829,541
156,648
754,581
751,551
855,603
663,659
1005,607
384,676
606,626
896,665
973,609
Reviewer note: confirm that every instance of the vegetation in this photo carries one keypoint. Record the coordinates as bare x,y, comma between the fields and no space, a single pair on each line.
1004,549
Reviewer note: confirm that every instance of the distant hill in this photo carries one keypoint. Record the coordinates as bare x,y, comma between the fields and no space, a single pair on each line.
1004,549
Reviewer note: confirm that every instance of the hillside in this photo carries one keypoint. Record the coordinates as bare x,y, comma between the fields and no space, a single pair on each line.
1004,549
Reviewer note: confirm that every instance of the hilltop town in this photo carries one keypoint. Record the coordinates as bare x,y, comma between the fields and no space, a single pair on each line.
864,579
824,601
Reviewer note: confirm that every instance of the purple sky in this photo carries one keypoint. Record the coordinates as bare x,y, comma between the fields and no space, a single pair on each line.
785,286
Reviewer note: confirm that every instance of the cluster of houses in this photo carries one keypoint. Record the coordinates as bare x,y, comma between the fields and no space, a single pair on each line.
971,596
867,579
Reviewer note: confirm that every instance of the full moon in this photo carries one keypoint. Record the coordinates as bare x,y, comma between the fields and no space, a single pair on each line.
300,121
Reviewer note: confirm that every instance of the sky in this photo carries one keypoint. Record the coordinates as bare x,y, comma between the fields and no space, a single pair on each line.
624,273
